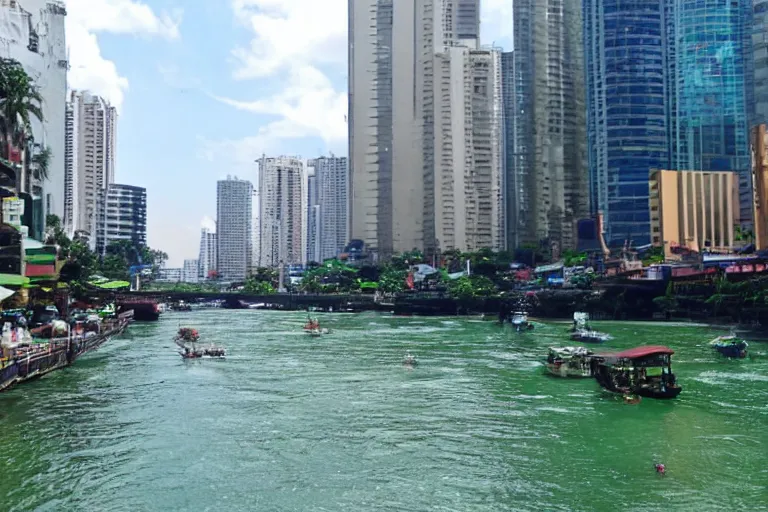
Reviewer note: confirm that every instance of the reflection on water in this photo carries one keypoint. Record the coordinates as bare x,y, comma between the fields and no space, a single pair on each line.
289,422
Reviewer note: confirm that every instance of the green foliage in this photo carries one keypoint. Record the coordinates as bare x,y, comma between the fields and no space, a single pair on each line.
332,277
19,102
572,258
472,286
655,255
40,161
252,285
392,280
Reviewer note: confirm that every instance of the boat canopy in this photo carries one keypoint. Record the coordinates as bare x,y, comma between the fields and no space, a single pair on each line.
639,352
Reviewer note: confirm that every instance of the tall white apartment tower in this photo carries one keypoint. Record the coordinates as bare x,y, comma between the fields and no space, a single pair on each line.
328,203
90,158
234,208
281,205
385,124
206,262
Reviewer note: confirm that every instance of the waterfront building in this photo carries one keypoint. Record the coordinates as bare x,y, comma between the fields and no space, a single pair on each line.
628,112
189,272
281,203
712,63
33,33
759,137
547,125
234,200
90,159
386,52
207,258
169,275
121,215
695,210
327,206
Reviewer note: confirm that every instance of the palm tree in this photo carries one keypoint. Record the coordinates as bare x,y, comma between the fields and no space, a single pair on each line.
39,161
19,102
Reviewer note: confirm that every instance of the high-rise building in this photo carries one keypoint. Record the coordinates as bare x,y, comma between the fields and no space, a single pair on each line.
90,158
189,272
281,200
549,169
629,111
313,216
34,34
759,64
207,259
386,40
234,208
713,62
121,215
327,219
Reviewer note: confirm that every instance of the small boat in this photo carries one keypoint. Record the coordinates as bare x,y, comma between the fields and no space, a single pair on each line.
580,321
641,371
317,331
730,346
187,338
181,306
569,362
520,321
409,360
586,336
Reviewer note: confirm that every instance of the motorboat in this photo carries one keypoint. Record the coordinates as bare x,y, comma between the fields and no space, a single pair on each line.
589,336
730,346
409,360
569,362
520,321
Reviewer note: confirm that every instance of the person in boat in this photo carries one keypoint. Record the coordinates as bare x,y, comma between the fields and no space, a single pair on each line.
660,469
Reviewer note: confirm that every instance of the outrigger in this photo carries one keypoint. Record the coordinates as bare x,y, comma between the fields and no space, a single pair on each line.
730,346
642,371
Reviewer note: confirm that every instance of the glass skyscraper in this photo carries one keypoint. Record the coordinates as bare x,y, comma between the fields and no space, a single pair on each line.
628,116
713,58
667,88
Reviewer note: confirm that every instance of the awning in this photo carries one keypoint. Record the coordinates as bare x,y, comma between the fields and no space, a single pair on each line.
5,293
13,280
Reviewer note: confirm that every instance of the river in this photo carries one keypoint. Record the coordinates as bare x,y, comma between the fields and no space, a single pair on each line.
292,423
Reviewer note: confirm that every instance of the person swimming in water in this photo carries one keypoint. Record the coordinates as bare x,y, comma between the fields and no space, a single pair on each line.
661,469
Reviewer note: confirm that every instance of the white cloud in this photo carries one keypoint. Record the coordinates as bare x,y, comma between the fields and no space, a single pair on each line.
291,41
85,18
208,223
289,32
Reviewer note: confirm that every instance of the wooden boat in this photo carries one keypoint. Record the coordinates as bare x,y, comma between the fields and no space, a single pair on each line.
569,362
586,336
642,371
730,346
187,338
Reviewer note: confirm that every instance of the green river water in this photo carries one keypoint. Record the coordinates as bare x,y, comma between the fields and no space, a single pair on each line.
293,423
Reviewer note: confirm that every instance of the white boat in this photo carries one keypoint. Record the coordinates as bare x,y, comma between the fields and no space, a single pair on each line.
317,331
520,321
588,336
569,362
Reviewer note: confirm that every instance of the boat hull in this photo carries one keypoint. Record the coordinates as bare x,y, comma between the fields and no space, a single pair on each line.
732,351
563,370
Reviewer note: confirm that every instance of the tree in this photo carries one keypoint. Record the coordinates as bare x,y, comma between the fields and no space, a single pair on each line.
40,161
19,102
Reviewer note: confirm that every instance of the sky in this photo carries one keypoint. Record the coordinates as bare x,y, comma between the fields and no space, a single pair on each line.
204,87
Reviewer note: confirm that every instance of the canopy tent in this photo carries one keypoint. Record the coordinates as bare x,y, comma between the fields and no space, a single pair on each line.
5,293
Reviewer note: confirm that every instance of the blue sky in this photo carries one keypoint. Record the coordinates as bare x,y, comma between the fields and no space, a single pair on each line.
203,87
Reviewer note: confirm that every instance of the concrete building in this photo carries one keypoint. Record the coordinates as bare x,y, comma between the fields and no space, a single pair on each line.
90,158
693,209
313,216
189,272
207,258
548,118
327,219
386,54
169,275
121,214
759,137
281,204
32,32
234,205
